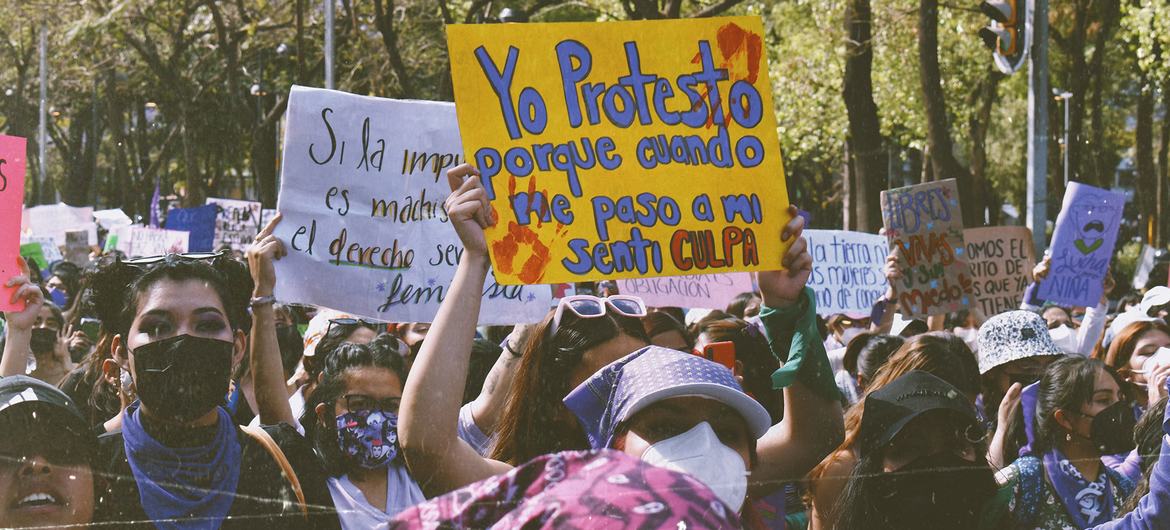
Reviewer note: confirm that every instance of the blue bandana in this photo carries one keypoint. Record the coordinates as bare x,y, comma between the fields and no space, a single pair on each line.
1088,504
186,487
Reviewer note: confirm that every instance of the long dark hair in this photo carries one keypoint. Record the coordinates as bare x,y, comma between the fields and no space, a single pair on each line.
1148,435
535,421
1067,384
752,350
380,353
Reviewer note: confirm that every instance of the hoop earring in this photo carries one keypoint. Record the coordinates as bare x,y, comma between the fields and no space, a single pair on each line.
1068,436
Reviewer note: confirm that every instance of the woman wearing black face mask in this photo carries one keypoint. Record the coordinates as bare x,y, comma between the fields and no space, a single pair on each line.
179,461
1076,414
922,461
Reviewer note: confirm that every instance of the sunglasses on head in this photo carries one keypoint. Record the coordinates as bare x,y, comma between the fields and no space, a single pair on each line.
369,324
147,261
585,306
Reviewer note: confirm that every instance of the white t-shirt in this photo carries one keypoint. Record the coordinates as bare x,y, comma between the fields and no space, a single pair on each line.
470,432
357,514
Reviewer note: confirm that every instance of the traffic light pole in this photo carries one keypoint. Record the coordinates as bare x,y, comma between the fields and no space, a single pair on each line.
1037,219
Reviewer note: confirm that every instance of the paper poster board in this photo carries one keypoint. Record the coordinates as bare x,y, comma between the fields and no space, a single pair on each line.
77,247
617,150
1001,260
926,221
237,224
1145,265
847,274
146,241
1082,245
53,220
363,217
710,291
200,222
49,249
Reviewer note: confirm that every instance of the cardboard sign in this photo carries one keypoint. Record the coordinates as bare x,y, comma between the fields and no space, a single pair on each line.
363,217
1082,245
847,274
622,149
200,222
53,220
237,224
13,162
77,247
926,221
1001,259
710,291
109,219
145,241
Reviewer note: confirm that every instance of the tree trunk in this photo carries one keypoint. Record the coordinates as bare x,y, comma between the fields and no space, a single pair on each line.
867,156
1100,166
942,150
1144,155
1161,197
983,99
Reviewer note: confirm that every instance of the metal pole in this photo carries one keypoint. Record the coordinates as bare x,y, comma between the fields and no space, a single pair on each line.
1066,146
329,44
1038,96
42,125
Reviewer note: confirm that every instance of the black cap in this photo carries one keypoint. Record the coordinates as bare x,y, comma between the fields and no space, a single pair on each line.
890,408
25,395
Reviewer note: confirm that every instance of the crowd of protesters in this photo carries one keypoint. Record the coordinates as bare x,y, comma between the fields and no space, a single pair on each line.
199,401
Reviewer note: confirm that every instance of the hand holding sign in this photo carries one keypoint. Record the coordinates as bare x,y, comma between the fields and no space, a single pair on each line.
266,249
25,294
467,207
783,288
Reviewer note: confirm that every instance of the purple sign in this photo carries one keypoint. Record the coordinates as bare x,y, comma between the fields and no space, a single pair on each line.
1082,245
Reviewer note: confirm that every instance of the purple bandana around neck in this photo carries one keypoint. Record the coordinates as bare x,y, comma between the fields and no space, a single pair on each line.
1088,504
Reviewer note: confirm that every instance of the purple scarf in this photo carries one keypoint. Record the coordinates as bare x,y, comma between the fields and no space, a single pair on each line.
185,487
1088,504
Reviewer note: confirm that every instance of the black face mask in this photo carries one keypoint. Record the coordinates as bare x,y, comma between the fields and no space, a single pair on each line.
183,377
43,340
943,490
1112,429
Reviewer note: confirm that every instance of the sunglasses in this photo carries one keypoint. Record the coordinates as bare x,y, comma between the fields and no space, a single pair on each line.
147,261
369,324
585,306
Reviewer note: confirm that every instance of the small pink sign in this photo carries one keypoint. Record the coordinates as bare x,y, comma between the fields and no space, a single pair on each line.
12,167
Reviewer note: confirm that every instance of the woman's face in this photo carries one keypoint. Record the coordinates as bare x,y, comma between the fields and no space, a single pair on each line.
1143,349
602,355
171,308
1105,393
671,417
1056,317
36,491
927,435
367,388
46,319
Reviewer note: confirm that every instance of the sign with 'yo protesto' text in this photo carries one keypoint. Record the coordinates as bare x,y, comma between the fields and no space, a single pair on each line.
361,193
925,223
622,149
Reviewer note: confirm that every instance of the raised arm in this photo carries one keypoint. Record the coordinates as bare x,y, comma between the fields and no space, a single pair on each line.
428,418
20,323
267,370
813,424
488,406
1153,510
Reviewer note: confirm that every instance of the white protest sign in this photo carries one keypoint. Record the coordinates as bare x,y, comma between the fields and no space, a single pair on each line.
709,291
145,241
362,190
53,220
1145,265
237,224
48,245
847,270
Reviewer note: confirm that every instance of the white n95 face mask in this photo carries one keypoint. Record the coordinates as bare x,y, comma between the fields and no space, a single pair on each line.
699,453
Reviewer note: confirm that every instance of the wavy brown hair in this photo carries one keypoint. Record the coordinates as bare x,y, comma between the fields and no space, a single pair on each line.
1121,349
535,420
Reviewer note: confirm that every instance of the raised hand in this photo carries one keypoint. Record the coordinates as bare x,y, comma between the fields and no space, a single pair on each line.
783,288
32,295
266,249
468,208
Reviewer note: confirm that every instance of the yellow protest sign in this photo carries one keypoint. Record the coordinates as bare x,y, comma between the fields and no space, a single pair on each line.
622,149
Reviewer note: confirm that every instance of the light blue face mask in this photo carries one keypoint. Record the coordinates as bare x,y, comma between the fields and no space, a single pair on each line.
368,438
